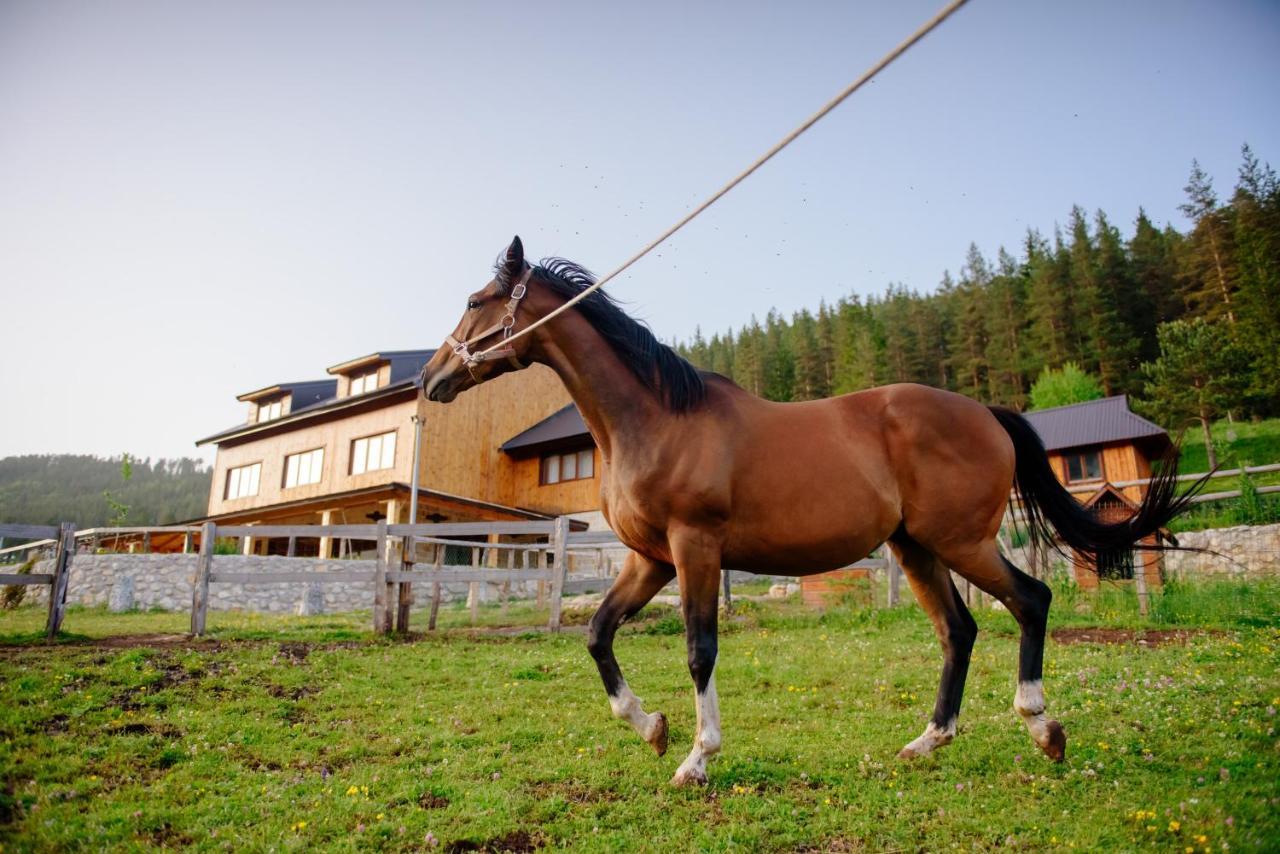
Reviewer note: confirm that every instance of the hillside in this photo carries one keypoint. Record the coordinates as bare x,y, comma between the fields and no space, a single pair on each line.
51,488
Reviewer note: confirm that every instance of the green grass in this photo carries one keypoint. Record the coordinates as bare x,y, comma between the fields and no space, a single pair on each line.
1242,443
1256,443
298,733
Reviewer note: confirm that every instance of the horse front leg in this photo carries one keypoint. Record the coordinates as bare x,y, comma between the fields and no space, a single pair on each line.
698,569
635,585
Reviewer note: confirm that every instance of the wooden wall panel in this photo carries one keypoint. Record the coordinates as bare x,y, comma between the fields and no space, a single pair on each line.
461,439
573,496
335,437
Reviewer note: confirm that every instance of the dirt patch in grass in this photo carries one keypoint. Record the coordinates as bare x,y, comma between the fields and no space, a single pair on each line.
55,724
1139,637
282,693
574,793
432,801
518,841
834,846
144,728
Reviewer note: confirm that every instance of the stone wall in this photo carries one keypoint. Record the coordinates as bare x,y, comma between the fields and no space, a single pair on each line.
1247,550
164,581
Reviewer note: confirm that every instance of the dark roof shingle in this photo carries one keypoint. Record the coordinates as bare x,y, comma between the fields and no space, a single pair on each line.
561,426
1094,422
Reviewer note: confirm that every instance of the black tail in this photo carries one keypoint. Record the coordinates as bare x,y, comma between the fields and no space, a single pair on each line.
1048,507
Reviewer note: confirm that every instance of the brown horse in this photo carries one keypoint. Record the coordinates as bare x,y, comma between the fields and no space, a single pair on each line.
698,474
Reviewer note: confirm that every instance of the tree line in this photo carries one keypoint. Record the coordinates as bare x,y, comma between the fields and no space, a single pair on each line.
94,491
1152,315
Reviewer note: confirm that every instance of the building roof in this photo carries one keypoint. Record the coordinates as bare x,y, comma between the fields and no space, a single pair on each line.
305,393
313,397
1096,422
565,425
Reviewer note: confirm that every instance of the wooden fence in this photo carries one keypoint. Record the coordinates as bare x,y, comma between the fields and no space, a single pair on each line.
64,539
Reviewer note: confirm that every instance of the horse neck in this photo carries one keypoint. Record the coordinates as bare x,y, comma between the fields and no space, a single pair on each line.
615,405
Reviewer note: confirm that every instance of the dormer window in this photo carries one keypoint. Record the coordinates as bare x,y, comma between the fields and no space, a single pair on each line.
270,411
363,383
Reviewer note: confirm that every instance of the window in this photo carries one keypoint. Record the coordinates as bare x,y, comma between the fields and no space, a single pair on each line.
1084,466
576,465
302,469
373,453
364,383
242,481
270,411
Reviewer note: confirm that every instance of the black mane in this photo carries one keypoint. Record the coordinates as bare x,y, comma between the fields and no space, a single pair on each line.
659,368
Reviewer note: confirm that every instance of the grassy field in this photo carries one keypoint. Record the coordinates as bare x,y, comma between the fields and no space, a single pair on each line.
297,733
1236,444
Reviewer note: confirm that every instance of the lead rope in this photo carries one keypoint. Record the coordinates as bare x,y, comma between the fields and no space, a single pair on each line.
884,63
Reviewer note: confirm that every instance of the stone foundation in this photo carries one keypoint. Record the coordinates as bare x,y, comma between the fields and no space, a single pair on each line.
164,581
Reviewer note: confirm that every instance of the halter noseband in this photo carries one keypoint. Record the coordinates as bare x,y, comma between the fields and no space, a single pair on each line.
461,349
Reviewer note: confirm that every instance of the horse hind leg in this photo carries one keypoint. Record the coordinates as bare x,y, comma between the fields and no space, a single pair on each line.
957,632
1028,600
637,583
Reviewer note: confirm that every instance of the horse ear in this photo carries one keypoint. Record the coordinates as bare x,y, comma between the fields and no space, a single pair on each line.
513,261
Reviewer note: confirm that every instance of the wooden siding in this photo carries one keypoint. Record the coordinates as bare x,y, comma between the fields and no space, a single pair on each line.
460,449
1120,462
460,441
335,436
574,496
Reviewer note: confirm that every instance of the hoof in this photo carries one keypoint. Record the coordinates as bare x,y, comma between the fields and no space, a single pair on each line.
1055,746
689,778
908,754
658,741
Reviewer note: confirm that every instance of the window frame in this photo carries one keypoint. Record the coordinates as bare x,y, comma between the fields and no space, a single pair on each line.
578,456
315,467
265,410
382,453
364,380
1082,456
236,471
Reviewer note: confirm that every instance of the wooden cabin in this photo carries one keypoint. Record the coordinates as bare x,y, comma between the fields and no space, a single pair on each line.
1099,450
340,451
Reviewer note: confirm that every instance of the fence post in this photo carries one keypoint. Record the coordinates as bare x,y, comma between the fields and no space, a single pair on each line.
408,551
435,589
895,578
61,569
200,590
1140,583
380,582
728,595
473,589
559,543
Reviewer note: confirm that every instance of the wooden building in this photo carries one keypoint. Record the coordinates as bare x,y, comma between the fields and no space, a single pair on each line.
1098,449
340,451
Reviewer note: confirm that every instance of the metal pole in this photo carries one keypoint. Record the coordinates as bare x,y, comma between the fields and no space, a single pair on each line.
417,453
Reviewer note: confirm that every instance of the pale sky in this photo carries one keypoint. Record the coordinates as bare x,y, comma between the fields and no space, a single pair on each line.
199,199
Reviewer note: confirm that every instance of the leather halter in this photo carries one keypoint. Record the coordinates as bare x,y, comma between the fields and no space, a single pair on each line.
461,349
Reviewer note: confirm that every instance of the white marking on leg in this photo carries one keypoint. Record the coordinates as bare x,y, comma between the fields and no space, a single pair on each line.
933,737
1029,703
626,705
707,741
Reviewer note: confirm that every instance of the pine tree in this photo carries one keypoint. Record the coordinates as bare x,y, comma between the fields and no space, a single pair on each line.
748,359
968,343
1048,301
858,344
1208,277
1257,254
1199,374
1154,268
1005,322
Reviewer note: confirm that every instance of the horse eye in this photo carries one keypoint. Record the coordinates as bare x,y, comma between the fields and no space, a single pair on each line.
472,304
